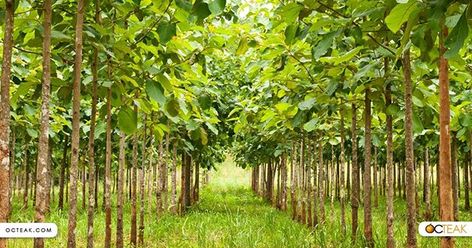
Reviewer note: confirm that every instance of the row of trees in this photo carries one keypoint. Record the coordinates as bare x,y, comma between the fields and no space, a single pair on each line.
122,100
323,65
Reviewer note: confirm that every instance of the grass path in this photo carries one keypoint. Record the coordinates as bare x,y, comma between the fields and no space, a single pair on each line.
229,215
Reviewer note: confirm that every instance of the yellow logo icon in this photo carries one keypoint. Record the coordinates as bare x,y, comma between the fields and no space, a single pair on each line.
429,228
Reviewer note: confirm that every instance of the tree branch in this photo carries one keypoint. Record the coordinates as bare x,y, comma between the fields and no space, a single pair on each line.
357,25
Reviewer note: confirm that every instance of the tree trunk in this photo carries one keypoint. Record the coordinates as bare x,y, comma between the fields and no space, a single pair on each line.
91,144
390,169
196,187
160,182
120,189
283,183
142,180
333,184
367,178
409,152
293,196
455,190
446,211
108,157
27,182
185,187
376,190
342,191
134,182
427,186
5,116
355,176
466,182
307,194
43,174
300,192
71,243
321,179
314,197
174,178
165,196
270,181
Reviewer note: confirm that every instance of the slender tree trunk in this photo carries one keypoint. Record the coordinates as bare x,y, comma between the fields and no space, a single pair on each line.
455,190
301,200
283,184
43,177
120,189
307,194
71,242
11,185
315,185
355,176
410,167
91,144
376,190
342,191
165,196
185,188
321,180
427,186
466,183
446,210
270,181
134,185
390,168
108,157
348,178
196,187
25,191
174,178
142,180
293,196
333,184
160,183
367,178
5,117
84,179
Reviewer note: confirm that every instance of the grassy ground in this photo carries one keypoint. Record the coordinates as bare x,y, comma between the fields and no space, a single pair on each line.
230,215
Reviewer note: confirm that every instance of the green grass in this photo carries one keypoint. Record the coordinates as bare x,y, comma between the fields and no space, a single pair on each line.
230,215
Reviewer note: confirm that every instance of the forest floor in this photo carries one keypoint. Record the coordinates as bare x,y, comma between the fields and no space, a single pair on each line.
230,215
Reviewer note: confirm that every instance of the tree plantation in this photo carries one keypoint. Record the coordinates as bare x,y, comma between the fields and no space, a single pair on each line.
235,123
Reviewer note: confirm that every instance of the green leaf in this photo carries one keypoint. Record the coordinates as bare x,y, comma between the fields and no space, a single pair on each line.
283,106
173,107
290,12
417,124
212,128
400,14
166,31
217,6
127,120
200,10
307,104
458,35
290,33
203,136
392,109
155,92
417,102
340,59
311,125
184,4
243,47
324,44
